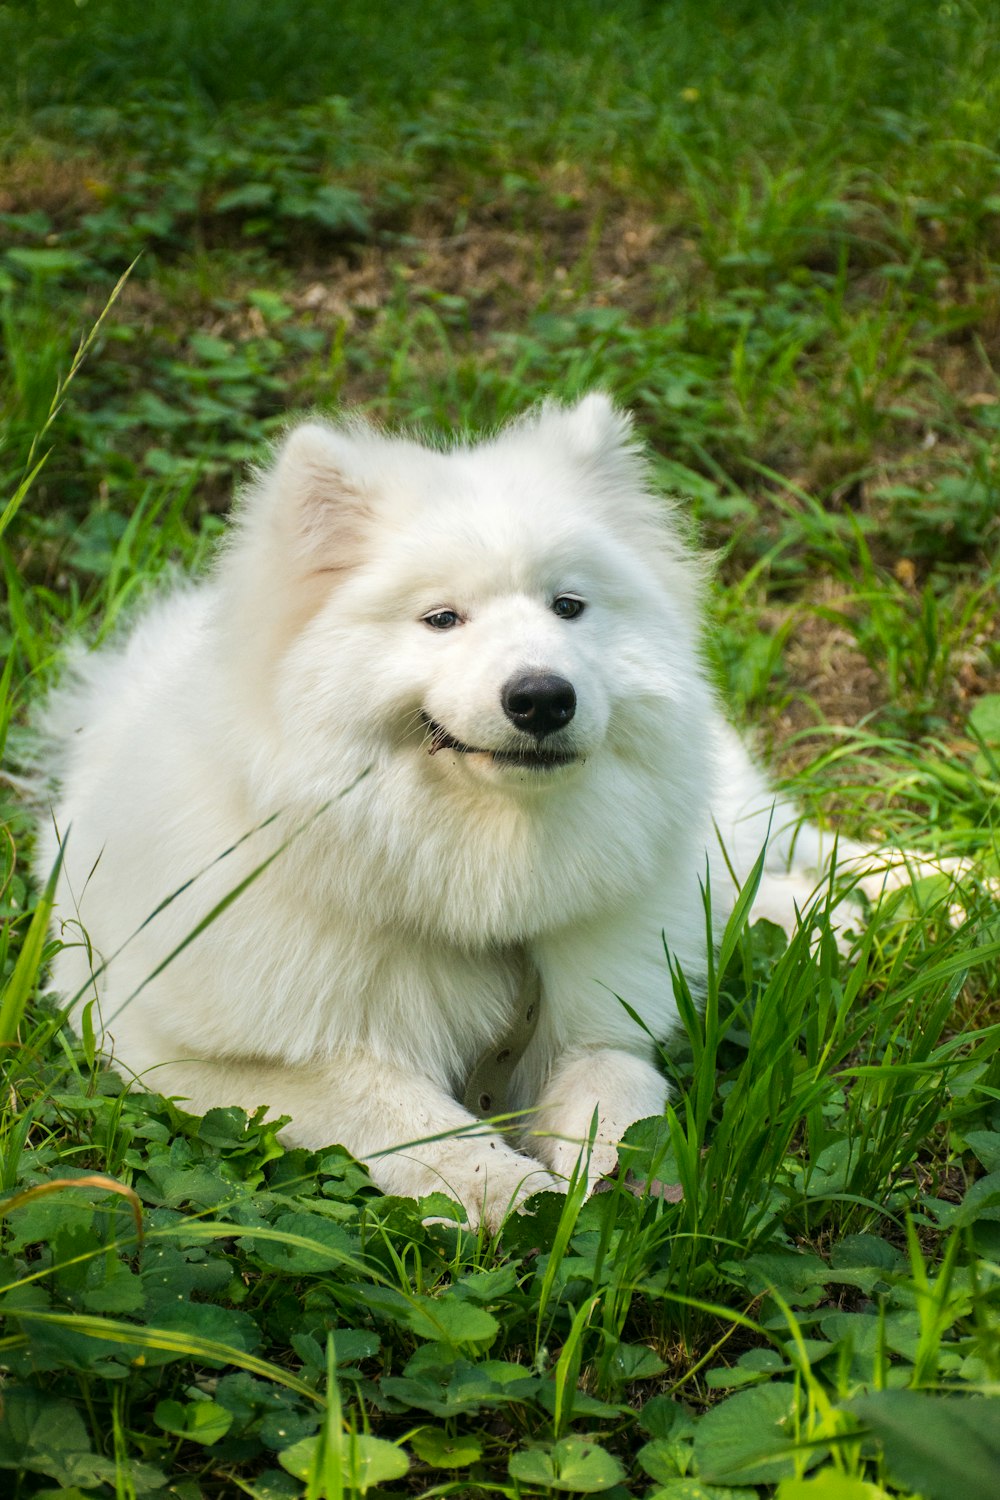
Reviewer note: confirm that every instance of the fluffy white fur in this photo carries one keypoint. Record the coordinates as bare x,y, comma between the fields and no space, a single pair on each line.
279,710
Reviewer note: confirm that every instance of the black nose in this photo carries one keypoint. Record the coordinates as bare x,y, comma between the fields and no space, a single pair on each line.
538,702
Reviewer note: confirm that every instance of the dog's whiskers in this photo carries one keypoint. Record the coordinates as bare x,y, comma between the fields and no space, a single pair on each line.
438,739
418,719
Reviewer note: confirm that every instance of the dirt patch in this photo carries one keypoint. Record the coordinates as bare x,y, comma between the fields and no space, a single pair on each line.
502,266
61,186
489,275
831,680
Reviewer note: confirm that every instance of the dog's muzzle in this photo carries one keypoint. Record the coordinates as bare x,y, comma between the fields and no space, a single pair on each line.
533,754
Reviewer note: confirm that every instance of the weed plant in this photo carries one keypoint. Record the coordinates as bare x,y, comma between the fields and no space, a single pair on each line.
773,232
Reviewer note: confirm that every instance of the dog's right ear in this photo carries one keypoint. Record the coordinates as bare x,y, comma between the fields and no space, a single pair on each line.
312,503
301,524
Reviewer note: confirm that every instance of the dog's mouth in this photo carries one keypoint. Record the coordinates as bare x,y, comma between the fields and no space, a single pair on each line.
529,758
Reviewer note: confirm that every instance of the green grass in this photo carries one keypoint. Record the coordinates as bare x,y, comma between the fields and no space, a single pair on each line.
773,231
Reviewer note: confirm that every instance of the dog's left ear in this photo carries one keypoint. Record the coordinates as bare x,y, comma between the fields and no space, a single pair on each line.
300,526
309,512
596,428
313,501
599,436
594,431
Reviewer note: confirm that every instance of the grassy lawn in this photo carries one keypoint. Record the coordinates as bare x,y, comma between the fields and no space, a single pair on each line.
773,231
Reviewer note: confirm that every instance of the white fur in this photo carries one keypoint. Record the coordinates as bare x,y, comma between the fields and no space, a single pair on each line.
276,710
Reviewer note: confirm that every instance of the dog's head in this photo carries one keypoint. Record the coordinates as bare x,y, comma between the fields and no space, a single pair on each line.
507,611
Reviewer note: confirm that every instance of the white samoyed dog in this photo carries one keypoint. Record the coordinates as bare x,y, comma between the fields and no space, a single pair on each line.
442,719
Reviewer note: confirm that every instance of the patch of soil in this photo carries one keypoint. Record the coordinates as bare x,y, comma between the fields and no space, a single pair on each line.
831,681
61,186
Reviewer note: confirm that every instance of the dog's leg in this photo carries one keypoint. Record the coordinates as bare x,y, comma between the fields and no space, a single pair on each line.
749,814
388,1117
620,1087
861,869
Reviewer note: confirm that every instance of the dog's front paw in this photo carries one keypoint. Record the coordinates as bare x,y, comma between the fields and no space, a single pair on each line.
599,1159
578,1130
489,1190
486,1178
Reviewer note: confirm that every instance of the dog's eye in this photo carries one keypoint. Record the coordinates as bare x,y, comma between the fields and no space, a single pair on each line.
567,606
441,619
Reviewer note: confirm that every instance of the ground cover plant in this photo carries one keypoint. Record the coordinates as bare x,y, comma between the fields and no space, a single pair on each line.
774,232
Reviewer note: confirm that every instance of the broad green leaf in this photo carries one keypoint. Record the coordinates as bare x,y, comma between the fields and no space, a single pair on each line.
573,1464
635,1362
280,1429
751,1368
367,1460
73,1492
273,1484
572,1402
224,1127
487,1286
986,1146
662,1417
745,1440
223,1325
985,718
247,1398
982,1201
866,1251
799,1276
830,1485
658,1459
169,1276
121,1291
200,1421
862,1330
133,1338
947,1447
43,1219
436,1382
176,1183
436,1448
39,1432
693,1489
42,261
352,1344
254,195
447,1319
42,1434
325,1244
